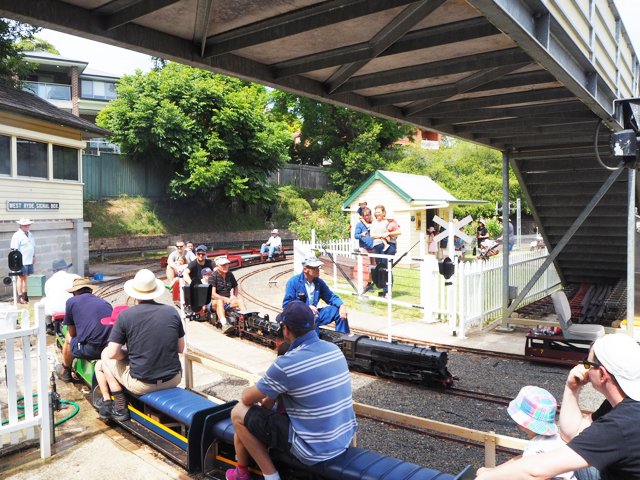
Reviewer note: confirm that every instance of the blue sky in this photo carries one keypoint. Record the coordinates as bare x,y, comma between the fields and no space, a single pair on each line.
120,61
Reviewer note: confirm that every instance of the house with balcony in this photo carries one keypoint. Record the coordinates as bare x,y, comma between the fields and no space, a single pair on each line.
72,86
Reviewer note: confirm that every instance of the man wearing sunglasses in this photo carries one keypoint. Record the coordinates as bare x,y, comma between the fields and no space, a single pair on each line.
605,444
193,272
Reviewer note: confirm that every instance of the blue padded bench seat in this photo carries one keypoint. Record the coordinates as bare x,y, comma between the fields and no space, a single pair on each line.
178,403
353,464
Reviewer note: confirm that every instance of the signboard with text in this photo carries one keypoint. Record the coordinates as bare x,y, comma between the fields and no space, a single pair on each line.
13,205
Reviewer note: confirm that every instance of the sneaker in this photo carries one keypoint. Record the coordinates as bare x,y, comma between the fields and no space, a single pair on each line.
121,415
227,329
104,408
50,329
234,474
368,288
63,373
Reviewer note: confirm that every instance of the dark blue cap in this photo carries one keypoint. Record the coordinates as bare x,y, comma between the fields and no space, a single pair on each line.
296,315
201,247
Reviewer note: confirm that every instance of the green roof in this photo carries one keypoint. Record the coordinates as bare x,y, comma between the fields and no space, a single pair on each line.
410,187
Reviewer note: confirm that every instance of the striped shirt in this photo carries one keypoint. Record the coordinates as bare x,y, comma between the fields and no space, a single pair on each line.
315,384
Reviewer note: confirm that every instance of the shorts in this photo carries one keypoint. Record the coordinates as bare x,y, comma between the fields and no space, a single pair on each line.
86,350
120,370
26,270
271,428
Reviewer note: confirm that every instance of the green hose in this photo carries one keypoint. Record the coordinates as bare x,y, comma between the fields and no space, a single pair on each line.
35,407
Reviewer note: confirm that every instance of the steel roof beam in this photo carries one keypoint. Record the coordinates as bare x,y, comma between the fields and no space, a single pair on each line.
425,38
469,63
462,86
201,29
297,21
544,109
530,24
541,95
386,37
132,12
513,80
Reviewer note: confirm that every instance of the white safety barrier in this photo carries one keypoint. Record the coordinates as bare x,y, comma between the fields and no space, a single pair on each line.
470,298
24,357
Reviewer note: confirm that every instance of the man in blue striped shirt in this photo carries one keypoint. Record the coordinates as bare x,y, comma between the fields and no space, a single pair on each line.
313,383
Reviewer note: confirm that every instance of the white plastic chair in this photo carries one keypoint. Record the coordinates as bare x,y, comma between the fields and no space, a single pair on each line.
570,330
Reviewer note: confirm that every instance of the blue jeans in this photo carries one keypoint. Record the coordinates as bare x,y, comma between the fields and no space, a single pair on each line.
269,248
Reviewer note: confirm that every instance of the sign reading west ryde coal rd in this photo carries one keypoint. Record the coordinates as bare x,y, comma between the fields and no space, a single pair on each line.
23,205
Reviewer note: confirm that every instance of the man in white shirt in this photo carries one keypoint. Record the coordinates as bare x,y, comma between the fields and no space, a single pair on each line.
271,246
24,242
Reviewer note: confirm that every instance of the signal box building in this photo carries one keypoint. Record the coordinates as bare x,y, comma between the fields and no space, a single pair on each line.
41,178
414,199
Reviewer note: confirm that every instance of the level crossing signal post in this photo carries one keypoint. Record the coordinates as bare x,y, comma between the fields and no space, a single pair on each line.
14,260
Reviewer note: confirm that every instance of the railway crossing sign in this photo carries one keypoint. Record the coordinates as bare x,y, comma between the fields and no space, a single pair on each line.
456,226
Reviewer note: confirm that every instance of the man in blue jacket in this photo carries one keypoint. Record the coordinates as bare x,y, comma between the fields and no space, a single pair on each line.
310,288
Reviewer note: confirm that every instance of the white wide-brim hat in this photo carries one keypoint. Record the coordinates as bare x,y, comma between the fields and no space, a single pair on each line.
144,286
24,221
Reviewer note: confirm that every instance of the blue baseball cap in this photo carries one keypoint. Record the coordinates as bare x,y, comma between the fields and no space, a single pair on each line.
201,248
297,315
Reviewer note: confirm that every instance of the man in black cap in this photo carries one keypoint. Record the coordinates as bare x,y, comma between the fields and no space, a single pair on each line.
313,383
86,335
193,272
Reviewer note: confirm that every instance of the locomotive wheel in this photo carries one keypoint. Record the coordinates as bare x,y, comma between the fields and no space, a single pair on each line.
380,370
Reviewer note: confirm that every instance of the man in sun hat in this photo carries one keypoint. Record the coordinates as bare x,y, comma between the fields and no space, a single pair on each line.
313,383
86,336
55,291
25,243
272,245
310,288
153,335
603,444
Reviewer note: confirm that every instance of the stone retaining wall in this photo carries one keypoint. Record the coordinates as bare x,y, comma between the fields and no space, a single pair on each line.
211,239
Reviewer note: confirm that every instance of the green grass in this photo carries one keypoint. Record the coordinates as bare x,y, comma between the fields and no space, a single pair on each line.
141,216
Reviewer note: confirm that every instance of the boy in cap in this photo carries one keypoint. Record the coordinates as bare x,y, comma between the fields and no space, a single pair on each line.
310,288
320,422
603,444
271,246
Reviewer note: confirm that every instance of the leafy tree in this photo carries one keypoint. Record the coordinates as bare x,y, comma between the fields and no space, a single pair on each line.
466,170
328,220
36,45
352,144
213,132
12,64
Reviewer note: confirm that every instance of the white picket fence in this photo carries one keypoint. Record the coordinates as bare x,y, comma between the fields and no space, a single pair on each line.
469,299
23,353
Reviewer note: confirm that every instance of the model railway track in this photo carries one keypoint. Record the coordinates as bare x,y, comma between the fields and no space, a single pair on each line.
232,370
480,396
246,293
112,288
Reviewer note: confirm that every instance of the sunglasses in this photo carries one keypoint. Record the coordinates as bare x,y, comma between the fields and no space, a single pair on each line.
587,364
200,253
179,246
